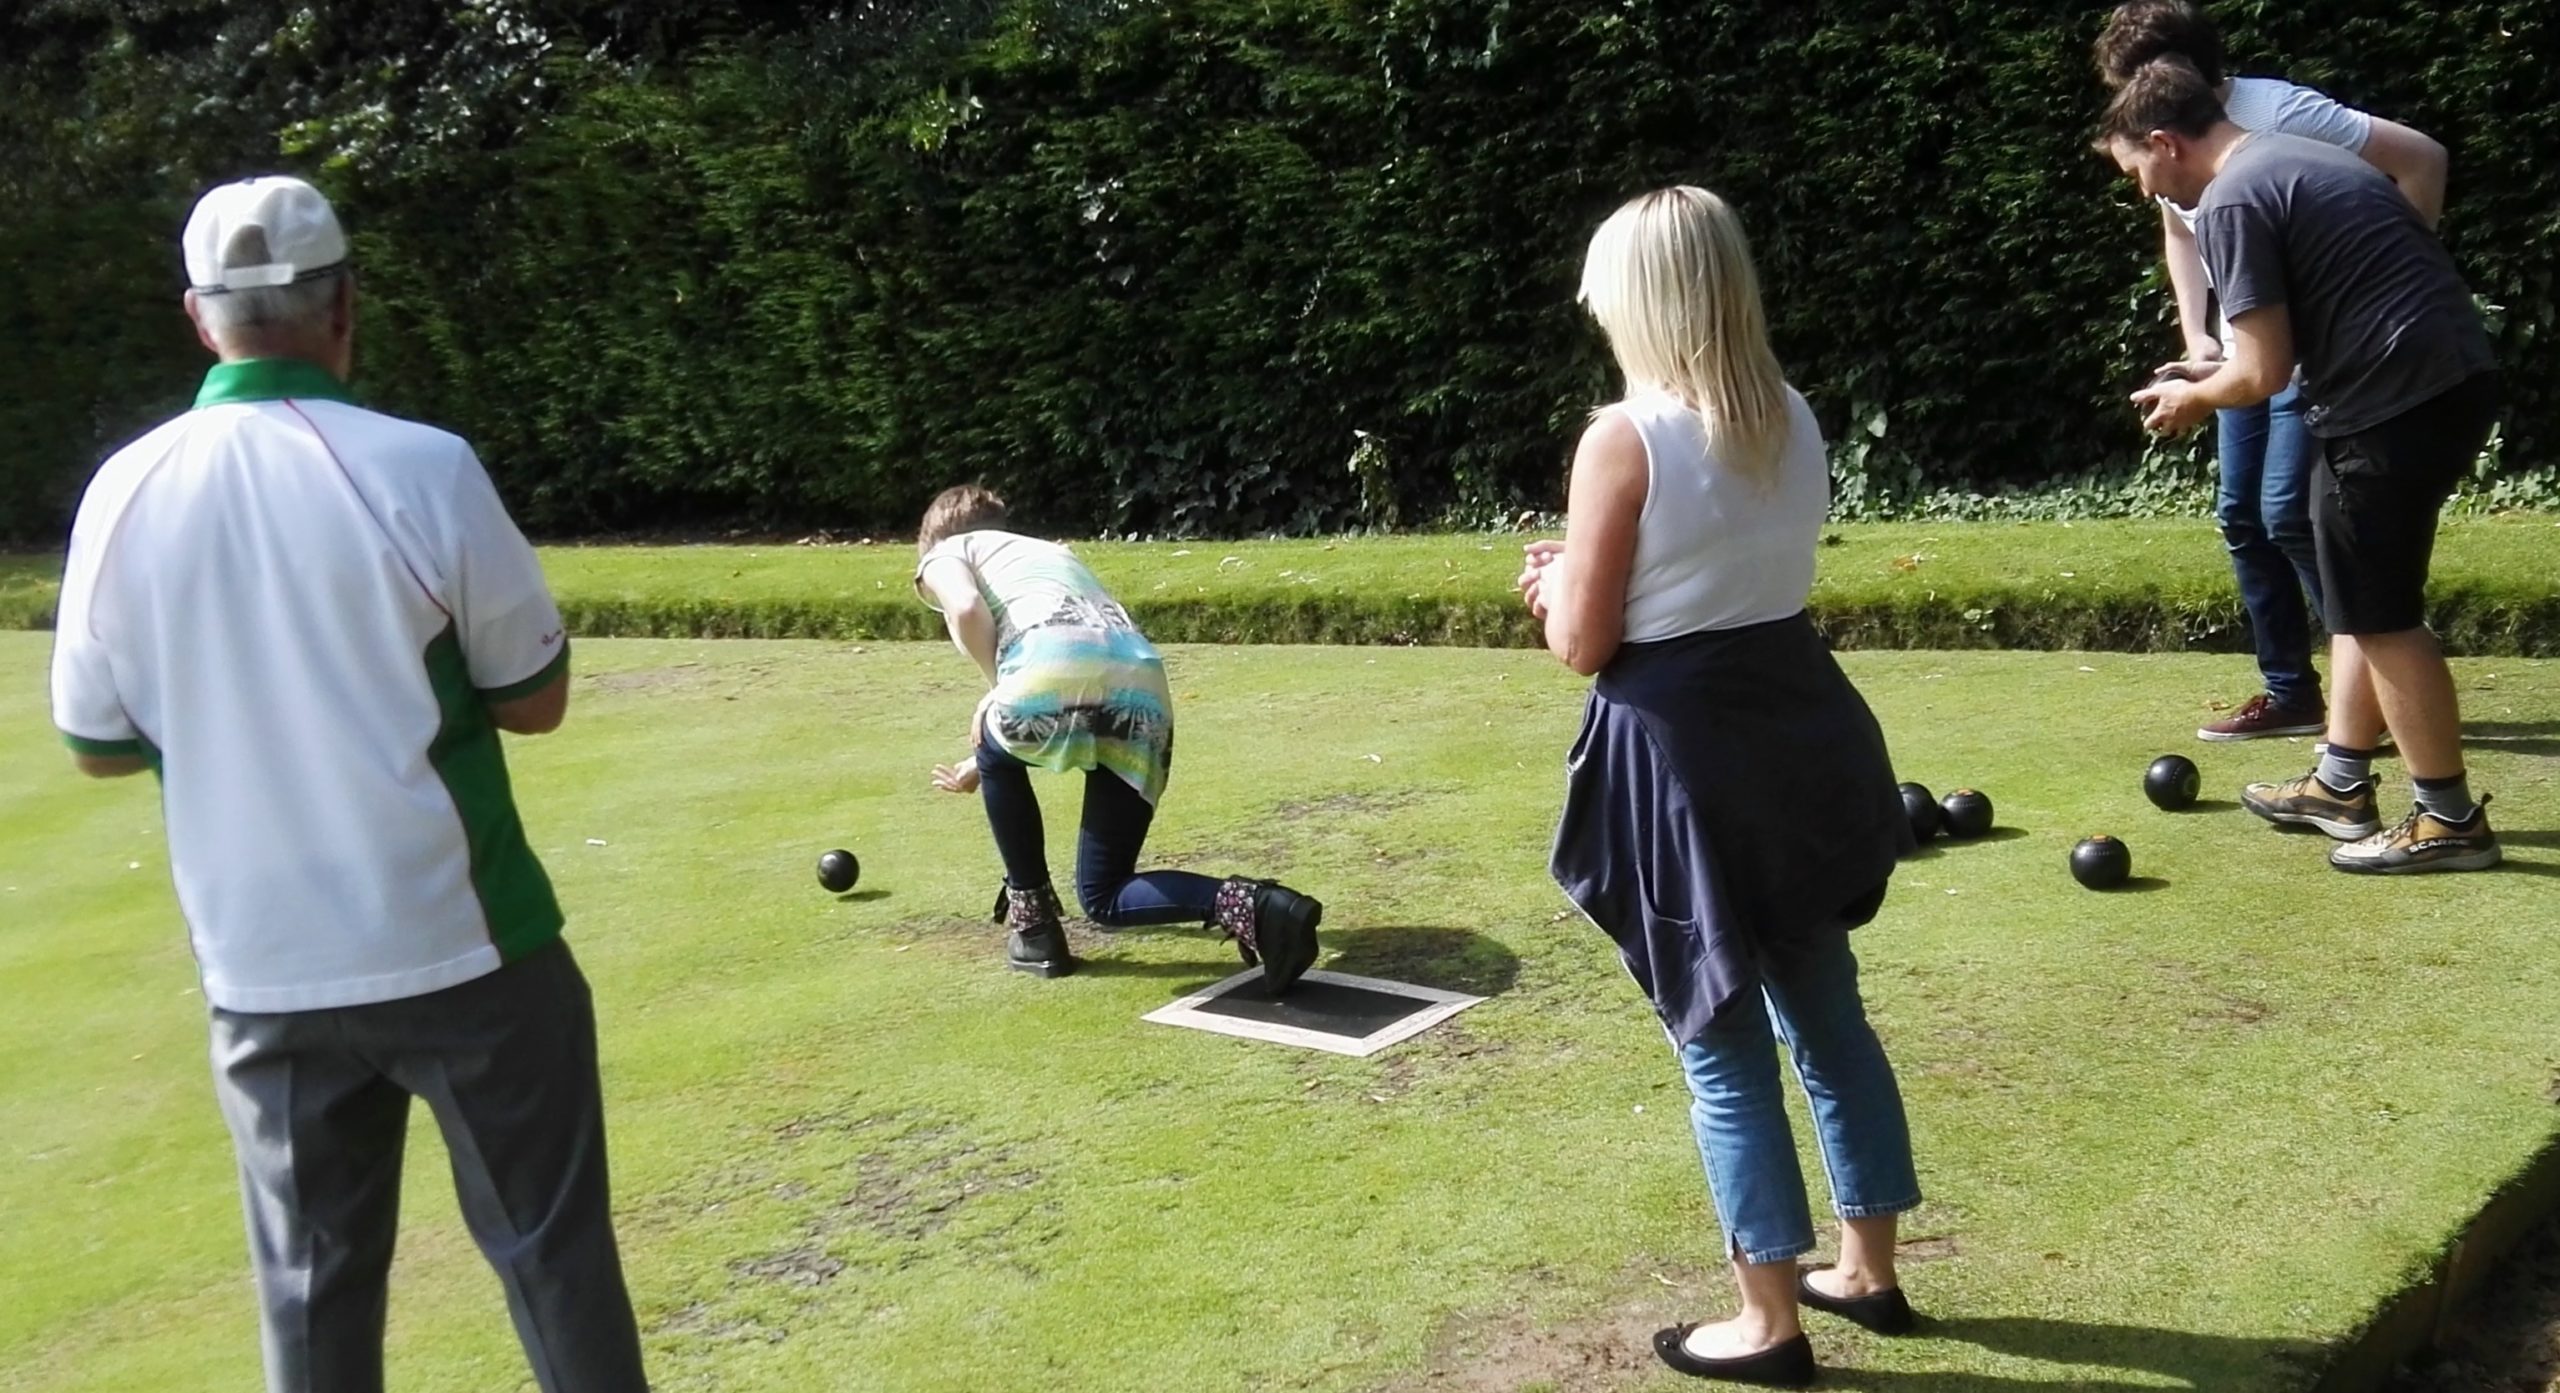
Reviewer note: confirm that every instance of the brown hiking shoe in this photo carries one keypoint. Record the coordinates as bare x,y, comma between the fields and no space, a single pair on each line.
2259,717
2423,842
2307,802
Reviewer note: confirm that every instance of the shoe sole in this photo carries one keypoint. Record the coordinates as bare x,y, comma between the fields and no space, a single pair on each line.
2480,860
2341,831
1052,967
2272,732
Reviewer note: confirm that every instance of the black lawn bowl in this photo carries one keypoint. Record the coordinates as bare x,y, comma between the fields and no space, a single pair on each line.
2171,783
838,871
1965,813
2101,863
1921,806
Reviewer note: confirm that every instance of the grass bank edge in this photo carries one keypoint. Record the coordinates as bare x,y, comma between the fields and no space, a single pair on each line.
2140,586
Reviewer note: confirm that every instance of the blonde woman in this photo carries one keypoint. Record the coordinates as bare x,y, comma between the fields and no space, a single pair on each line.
1730,811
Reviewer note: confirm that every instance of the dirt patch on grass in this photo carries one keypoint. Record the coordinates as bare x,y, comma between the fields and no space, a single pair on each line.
2213,1005
1448,1058
1935,1247
912,1200
651,679
1511,1352
702,1322
911,1188
800,1267
1347,804
1266,861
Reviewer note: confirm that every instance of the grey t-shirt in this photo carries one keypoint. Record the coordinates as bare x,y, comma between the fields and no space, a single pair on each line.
2381,319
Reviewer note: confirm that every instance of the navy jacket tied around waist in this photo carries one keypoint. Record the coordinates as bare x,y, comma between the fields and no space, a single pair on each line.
1730,795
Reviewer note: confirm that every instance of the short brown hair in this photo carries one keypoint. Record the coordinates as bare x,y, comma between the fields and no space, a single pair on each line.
2165,94
2143,30
965,508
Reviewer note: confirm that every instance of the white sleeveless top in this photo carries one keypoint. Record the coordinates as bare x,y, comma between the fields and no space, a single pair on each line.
1714,550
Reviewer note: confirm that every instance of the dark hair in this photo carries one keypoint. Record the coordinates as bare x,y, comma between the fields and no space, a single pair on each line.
953,511
2143,30
2165,94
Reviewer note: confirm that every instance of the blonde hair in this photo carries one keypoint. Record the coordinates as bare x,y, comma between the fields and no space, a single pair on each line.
1669,279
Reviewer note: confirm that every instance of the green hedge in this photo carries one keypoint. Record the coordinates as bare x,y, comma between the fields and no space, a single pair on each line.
1151,267
2119,586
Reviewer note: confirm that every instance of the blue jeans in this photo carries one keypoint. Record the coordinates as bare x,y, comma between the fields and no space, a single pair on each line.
1114,832
1740,1111
2264,506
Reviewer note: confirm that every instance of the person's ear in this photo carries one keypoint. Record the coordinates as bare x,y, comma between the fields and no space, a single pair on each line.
195,316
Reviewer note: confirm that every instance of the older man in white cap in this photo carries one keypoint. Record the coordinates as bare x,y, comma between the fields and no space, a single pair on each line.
312,620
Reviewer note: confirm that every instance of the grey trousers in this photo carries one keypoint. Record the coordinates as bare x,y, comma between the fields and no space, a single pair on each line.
318,1103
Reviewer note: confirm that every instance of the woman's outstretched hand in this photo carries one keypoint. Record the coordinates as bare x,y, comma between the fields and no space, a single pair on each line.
1537,557
960,778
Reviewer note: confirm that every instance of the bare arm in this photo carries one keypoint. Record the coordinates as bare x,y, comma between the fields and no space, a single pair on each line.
2192,287
538,712
964,612
2415,161
1586,596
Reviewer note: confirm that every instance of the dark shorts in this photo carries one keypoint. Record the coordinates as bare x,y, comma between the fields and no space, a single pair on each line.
2375,500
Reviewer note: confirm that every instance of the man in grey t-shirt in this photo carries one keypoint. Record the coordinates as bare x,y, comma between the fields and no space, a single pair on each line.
2324,266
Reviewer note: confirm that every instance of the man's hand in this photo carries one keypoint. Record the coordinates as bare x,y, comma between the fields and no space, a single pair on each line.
110,766
961,778
2203,348
2172,406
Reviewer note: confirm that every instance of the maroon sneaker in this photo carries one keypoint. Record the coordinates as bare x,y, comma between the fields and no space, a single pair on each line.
2260,717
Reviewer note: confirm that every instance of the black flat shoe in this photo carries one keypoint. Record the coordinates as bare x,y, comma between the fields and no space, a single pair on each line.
1788,1365
1885,1312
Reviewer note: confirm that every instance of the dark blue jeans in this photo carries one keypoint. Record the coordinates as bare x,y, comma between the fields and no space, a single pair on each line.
2264,506
1115,894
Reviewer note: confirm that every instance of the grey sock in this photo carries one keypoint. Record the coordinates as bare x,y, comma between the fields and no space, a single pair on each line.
2448,799
2342,768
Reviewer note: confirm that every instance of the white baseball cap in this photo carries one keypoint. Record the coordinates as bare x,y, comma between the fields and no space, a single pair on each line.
268,231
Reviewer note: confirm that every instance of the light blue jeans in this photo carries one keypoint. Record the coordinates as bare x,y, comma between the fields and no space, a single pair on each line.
1738,1105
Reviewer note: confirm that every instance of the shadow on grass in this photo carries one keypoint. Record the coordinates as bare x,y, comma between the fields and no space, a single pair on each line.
2144,1355
2537,837
2514,737
861,896
2206,805
1453,960
1193,975
2140,885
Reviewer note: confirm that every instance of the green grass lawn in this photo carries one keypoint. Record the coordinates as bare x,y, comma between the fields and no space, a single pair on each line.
2139,586
2179,1138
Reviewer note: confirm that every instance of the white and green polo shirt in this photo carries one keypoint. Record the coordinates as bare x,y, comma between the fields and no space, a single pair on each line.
297,609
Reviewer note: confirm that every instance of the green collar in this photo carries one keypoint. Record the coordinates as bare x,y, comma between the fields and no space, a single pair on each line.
271,379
